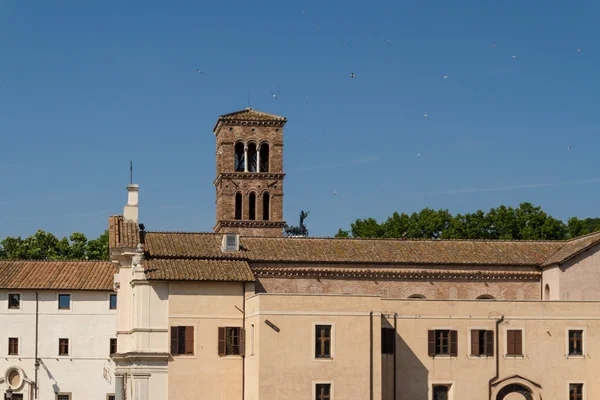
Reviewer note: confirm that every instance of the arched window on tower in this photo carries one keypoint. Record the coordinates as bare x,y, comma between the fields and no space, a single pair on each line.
547,292
239,157
264,157
252,206
252,157
266,204
238,206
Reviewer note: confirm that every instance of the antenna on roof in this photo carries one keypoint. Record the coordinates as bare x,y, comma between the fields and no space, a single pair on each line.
131,172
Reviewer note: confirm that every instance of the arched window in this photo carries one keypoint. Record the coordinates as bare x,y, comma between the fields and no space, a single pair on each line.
266,204
486,297
252,157
417,296
547,292
515,388
239,157
264,157
238,206
252,206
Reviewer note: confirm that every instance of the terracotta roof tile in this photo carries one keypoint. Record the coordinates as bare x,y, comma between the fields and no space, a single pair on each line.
198,270
572,248
249,114
122,233
58,275
363,251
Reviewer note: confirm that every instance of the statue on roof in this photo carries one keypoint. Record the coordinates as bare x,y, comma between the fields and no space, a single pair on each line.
300,230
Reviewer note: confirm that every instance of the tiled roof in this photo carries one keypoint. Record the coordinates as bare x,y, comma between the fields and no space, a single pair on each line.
122,233
252,116
573,248
198,270
353,251
57,275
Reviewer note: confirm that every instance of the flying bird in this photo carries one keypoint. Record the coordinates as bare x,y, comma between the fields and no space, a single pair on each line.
570,147
275,95
334,193
351,75
579,50
494,45
425,115
200,71
418,154
514,57
318,28
445,76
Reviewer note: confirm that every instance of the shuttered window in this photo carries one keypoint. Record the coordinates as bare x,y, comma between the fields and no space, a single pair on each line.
576,343
514,342
387,340
13,346
442,342
482,342
63,347
576,391
231,341
182,340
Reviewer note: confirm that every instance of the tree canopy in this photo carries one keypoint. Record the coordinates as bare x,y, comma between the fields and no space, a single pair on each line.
526,222
45,246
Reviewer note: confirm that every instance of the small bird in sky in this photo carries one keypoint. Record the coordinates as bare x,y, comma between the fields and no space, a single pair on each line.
274,94
579,50
418,154
334,193
352,75
493,45
445,76
570,147
200,71
388,41
425,115
318,28
514,57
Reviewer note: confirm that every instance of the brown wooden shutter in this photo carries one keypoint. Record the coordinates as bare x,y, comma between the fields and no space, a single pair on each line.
489,343
454,343
189,340
174,340
221,341
431,343
510,342
242,341
474,342
519,343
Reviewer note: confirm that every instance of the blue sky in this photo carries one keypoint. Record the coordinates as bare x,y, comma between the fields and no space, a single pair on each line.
86,86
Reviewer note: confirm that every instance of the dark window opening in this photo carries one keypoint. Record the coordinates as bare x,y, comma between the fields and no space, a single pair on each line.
252,206
482,343
266,204
231,341
238,206
113,301
442,342
323,341
486,297
323,391
63,347
64,301
252,157
264,158
514,343
440,392
113,346
14,301
387,340
240,160
182,340
575,343
13,346
576,391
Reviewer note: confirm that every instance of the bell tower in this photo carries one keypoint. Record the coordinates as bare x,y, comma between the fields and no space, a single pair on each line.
249,181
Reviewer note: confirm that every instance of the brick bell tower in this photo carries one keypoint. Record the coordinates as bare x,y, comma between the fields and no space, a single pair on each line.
250,174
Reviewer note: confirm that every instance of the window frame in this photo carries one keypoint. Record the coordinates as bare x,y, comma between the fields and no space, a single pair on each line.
583,389
523,350
58,295
69,350
435,353
110,346
110,297
331,341
568,339
449,384
323,382
485,354
8,297
222,343
18,353
109,395
64,394
186,353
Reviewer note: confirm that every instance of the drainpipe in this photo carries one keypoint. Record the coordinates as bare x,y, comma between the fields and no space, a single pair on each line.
36,364
395,355
371,355
498,322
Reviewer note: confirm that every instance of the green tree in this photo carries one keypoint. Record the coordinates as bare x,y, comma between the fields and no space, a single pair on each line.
97,249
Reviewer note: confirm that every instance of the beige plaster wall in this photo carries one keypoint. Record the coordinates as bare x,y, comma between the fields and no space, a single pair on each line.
206,306
580,277
435,290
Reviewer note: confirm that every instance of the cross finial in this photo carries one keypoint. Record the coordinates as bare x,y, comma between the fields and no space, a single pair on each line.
131,172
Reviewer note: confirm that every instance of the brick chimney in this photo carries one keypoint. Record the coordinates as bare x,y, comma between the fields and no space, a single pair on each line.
130,211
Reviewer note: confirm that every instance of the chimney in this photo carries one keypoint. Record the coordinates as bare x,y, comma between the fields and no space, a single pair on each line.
130,211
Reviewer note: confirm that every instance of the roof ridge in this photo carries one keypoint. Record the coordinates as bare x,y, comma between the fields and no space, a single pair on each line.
57,261
583,236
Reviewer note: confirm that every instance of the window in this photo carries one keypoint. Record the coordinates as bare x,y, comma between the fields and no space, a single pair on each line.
266,201
252,157
547,292
514,342
238,206
576,343
264,157
64,301
323,391
240,159
252,206
63,347
110,397
482,342
515,388
323,341
231,341
387,340
442,342
113,301
113,346
13,346
416,296
486,297
440,392
14,301
182,340
63,397
576,391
